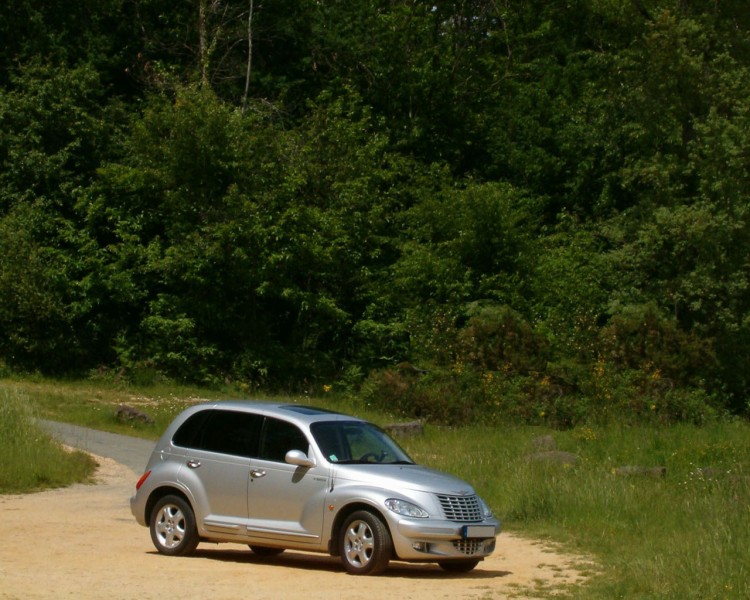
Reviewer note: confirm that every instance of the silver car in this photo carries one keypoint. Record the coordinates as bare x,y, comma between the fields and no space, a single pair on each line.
278,476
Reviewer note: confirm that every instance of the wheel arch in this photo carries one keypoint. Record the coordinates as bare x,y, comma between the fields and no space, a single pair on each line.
343,515
160,493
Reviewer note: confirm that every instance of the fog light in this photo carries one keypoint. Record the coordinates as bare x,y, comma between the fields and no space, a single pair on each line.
420,546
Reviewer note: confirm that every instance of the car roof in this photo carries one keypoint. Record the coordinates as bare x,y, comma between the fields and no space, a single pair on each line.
299,413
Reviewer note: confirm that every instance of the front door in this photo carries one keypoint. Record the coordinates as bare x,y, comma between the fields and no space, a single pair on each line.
286,502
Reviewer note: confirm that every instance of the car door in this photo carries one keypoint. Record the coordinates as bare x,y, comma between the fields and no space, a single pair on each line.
286,502
216,469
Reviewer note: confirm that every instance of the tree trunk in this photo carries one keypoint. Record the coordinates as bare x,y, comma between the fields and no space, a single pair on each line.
202,47
249,54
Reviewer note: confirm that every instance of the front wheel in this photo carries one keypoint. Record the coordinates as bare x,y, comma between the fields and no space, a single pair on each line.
366,544
172,527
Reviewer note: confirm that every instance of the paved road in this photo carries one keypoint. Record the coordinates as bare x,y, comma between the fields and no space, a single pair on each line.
129,451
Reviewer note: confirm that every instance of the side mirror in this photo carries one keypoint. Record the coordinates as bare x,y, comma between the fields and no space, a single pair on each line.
299,458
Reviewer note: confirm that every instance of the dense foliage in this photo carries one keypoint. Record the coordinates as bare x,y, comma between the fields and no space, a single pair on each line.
468,210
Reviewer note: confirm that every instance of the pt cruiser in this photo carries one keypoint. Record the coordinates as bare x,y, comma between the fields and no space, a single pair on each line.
278,477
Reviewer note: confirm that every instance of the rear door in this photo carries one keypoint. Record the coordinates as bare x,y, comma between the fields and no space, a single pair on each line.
216,468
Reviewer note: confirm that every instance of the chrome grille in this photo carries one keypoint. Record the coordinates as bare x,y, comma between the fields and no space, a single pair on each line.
468,547
463,509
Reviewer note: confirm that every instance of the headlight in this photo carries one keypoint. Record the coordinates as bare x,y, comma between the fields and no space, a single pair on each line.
407,509
486,512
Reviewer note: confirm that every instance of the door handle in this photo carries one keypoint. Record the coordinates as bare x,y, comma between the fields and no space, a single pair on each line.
193,464
257,473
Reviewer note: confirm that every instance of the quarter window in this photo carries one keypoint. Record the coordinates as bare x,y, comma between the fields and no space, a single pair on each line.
189,433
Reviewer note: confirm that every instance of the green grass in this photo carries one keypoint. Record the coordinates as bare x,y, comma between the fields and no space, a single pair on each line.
94,403
681,536
678,537
31,459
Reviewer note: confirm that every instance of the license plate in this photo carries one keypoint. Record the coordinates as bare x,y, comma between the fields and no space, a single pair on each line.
478,531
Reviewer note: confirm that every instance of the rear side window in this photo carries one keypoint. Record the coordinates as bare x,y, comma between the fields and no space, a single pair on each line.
279,438
222,431
188,435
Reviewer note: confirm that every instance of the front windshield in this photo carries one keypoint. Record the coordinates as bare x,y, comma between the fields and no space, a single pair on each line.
357,442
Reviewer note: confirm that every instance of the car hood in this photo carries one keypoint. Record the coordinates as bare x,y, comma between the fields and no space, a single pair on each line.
404,477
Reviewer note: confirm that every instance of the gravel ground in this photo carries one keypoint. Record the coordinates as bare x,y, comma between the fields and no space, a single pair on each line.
82,542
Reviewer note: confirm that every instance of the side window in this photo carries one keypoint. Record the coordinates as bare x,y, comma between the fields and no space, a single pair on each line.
236,433
279,437
223,431
189,433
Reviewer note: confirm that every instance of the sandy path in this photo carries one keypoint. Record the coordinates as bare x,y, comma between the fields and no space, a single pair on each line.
82,542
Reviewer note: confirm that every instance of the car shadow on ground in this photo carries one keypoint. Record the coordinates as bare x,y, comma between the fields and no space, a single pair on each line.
323,562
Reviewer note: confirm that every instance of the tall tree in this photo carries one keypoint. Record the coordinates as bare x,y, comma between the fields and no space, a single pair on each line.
54,133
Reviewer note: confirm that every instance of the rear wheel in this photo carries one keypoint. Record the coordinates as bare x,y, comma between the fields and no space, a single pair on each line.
458,566
172,527
366,544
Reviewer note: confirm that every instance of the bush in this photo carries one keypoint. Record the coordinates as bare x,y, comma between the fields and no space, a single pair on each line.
404,391
497,338
641,337
644,396
562,397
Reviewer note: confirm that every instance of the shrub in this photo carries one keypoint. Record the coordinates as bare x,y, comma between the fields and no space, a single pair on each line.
641,337
497,338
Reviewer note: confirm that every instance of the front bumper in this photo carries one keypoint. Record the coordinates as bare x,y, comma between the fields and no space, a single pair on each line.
430,539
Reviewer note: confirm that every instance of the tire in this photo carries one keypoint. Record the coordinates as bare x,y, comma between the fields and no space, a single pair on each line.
266,551
458,566
172,527
366,544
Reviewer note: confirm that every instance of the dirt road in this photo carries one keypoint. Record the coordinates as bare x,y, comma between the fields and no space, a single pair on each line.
82,542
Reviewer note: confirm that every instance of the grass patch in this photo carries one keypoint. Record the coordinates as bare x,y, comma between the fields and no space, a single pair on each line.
678,537
93,403
32,460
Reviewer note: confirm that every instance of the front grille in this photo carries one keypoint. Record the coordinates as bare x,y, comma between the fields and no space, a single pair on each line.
468,547
463,509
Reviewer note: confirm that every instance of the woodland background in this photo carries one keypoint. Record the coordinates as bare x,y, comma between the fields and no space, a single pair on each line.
467,210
